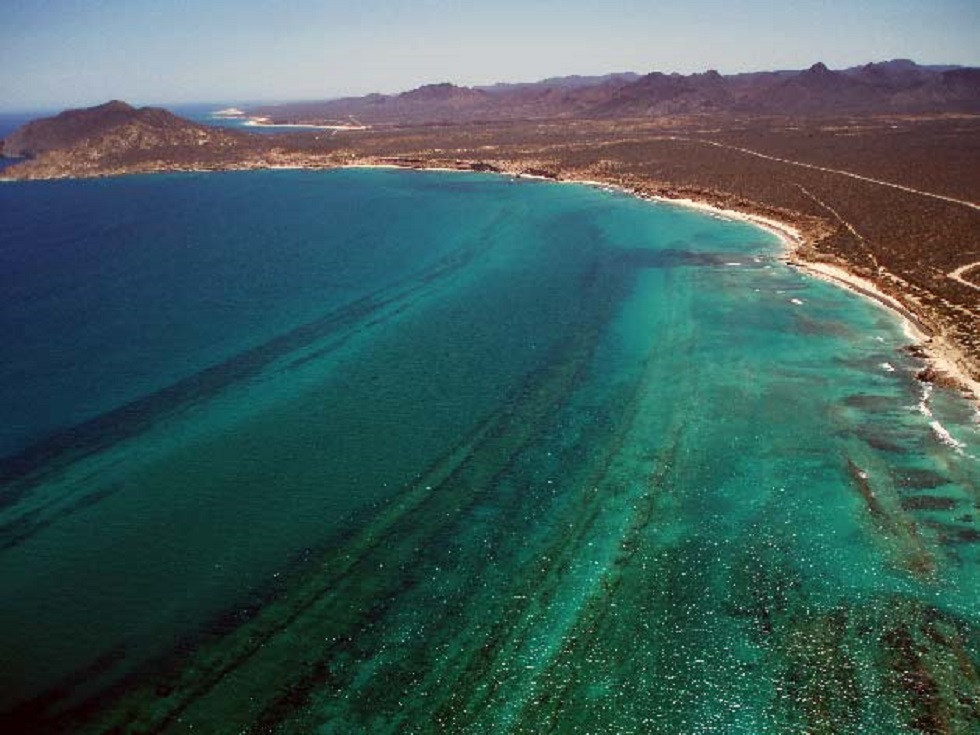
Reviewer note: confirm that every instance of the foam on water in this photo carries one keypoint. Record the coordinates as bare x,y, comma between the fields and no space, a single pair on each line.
942,433
923,404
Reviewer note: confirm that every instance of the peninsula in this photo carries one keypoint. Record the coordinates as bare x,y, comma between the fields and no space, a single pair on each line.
876,169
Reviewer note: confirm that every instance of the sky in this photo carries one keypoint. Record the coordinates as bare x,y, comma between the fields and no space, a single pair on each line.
70,53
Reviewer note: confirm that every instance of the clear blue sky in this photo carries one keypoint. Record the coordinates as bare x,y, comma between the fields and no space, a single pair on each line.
58,53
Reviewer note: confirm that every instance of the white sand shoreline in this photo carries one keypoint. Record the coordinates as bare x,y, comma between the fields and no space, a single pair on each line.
939,355
253,122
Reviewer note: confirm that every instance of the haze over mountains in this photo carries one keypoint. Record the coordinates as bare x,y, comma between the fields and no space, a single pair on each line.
900,86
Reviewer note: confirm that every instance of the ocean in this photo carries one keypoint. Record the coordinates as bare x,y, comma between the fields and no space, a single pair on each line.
386,451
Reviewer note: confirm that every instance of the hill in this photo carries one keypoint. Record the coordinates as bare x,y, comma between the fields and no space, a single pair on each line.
117,137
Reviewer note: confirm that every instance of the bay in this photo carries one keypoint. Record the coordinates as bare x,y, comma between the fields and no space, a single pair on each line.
376,451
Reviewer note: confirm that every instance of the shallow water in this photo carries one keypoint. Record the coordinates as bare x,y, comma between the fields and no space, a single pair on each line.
372,451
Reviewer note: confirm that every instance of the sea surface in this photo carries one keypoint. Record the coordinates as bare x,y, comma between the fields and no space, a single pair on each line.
373,451
204,114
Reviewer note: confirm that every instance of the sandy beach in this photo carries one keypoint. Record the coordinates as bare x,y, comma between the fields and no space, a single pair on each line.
257,122
944,359
947,361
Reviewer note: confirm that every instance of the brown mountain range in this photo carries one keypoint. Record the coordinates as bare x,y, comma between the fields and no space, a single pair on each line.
891,87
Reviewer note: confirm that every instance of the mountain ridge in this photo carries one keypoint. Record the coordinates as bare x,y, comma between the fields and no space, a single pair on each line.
897,86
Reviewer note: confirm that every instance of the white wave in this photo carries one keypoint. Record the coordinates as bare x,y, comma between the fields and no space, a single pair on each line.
798,302
887,367
923,405
945,437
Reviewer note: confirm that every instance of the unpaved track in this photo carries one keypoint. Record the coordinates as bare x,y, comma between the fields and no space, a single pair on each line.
814,167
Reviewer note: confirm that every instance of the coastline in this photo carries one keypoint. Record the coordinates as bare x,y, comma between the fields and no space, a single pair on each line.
943,360
255,122
945,363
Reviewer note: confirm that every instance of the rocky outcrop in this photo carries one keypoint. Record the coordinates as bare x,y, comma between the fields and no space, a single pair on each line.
112,128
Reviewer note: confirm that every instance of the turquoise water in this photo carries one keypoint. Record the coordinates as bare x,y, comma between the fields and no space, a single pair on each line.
373,451
203,113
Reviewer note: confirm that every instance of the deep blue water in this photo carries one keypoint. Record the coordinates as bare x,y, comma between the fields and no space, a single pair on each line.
388,452
115,289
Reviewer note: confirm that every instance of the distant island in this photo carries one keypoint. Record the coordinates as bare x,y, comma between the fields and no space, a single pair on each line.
875,167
